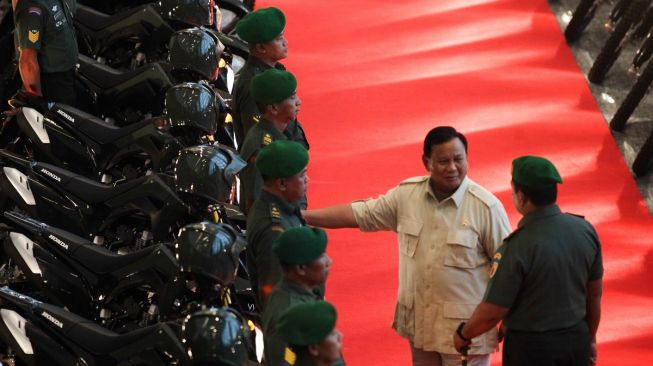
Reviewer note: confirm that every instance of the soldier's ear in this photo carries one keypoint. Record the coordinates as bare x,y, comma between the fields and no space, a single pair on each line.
313,350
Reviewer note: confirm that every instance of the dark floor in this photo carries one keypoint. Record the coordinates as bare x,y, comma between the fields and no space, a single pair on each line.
614,88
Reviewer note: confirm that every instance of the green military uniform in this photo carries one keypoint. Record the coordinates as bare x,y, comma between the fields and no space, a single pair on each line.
285,295
541,273
246,113
251,182
47,26
267,219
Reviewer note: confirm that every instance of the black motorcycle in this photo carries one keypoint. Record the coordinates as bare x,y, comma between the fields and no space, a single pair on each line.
43,334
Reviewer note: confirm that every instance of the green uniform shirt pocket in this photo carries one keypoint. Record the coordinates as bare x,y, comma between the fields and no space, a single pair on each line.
408,230
462,249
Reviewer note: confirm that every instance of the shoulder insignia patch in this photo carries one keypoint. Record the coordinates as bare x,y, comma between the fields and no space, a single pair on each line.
495,263
267,139
274,212
289,356
415,180
33,35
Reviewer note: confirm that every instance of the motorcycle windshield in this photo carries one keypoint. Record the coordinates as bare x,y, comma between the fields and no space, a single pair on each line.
211,250
194,105
207,171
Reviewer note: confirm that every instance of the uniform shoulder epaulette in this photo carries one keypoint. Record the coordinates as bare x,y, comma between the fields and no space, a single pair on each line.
275,213
573,214
482,194
256,118
415,180
266,139
512,234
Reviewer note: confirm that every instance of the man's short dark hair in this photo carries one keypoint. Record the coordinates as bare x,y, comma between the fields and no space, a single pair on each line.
440,135
539,196
262,107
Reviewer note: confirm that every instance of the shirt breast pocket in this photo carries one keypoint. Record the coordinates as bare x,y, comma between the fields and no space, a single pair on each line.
409,230
462,250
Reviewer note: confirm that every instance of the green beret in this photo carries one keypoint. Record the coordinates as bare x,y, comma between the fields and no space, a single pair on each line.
273,86
534,171
307,324
281,159
300,245
261,26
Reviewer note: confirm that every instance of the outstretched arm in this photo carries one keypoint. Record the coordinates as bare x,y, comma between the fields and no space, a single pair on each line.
338,216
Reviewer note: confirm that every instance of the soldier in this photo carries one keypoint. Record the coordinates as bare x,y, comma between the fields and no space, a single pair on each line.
305,264
546,279
275,93
47,48
283,167
310,330
263,31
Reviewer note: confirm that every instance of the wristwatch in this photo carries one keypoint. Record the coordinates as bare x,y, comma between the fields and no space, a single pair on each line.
459,331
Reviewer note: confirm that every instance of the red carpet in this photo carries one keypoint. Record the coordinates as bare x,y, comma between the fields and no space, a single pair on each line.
375,76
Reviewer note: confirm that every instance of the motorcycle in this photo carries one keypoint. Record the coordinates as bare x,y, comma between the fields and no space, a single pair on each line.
132,214
40,333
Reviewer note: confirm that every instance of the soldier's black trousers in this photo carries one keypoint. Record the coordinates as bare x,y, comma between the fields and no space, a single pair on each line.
566,347
59,87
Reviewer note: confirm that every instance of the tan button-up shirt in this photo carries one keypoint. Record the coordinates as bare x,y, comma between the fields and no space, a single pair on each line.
445,250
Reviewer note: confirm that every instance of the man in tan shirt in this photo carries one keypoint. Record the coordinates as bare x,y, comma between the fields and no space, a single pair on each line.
448,229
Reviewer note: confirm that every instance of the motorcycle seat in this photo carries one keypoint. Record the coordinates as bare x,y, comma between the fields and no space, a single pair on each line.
103,261
96,339
86,189
97,129
106,77
97,20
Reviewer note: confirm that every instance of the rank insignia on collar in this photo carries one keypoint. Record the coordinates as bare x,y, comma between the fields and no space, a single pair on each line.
267,139
33,36
275,213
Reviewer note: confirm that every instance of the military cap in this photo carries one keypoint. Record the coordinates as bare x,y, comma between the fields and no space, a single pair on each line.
300,245
308,323
273,86
281,159
534,171
261,26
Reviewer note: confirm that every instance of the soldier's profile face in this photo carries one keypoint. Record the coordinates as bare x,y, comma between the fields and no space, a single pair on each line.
276,49
288,109
448,166
330,348
317,271
296,186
